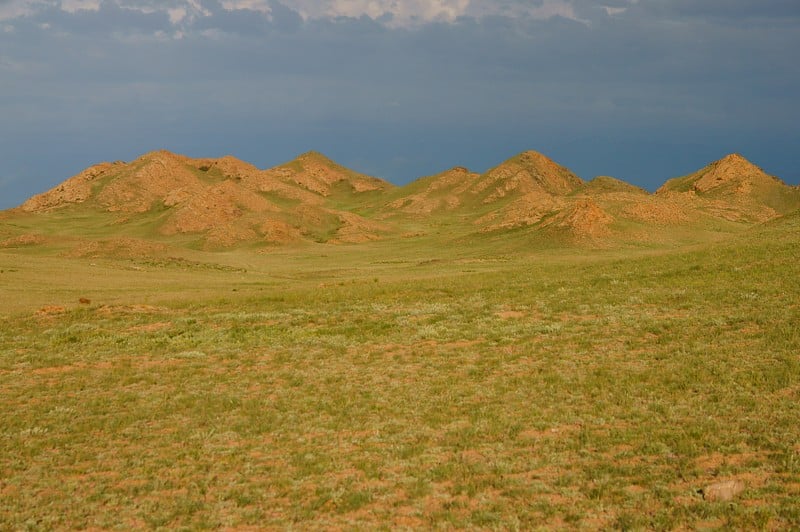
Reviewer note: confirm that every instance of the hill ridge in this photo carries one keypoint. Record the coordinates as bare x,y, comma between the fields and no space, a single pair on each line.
225,201
529,171
733,188
733,167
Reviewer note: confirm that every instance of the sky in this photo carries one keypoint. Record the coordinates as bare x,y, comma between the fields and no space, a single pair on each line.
643,90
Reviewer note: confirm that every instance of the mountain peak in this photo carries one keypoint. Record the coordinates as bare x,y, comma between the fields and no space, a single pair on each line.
315,156
535,155
313,159
530,171
734,157
161,155
732,168
230,166
316,172
752,193
737,162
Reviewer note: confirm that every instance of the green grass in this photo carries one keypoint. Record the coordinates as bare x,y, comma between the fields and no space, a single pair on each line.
403,385
87,222
606,184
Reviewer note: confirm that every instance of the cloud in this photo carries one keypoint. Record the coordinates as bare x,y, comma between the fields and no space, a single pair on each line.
71,6
250,5
11,9
722,9
393,13
411,13
397,11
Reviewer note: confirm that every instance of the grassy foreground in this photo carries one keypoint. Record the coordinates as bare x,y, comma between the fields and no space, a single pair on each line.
371,387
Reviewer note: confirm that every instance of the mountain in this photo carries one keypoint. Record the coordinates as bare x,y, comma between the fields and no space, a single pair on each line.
734,188
527,173
221,202
446,191
604,184
316,173
581,219
731,175
523,191
162,199
516,193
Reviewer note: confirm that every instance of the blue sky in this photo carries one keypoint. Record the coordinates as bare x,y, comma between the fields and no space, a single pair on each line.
642,90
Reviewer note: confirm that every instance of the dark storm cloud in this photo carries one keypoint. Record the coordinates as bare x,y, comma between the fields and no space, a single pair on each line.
247,22
108,19
401,101
741,10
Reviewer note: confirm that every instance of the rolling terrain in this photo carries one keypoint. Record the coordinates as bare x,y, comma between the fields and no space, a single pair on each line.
198,343
212,203
163,201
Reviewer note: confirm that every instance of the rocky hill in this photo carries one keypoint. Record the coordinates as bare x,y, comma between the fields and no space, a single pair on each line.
220,203
225,201
735,189
516,193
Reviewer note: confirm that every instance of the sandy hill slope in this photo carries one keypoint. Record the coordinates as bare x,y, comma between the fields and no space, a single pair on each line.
316,173
531,190
76,189
438,193
583,218
517,192
532,196
529,172
221,202
536,196
604,184
733,188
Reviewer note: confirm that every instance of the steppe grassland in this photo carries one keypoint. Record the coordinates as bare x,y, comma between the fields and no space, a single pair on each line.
403,386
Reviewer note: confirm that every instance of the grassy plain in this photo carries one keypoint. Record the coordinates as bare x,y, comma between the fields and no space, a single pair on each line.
403,384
